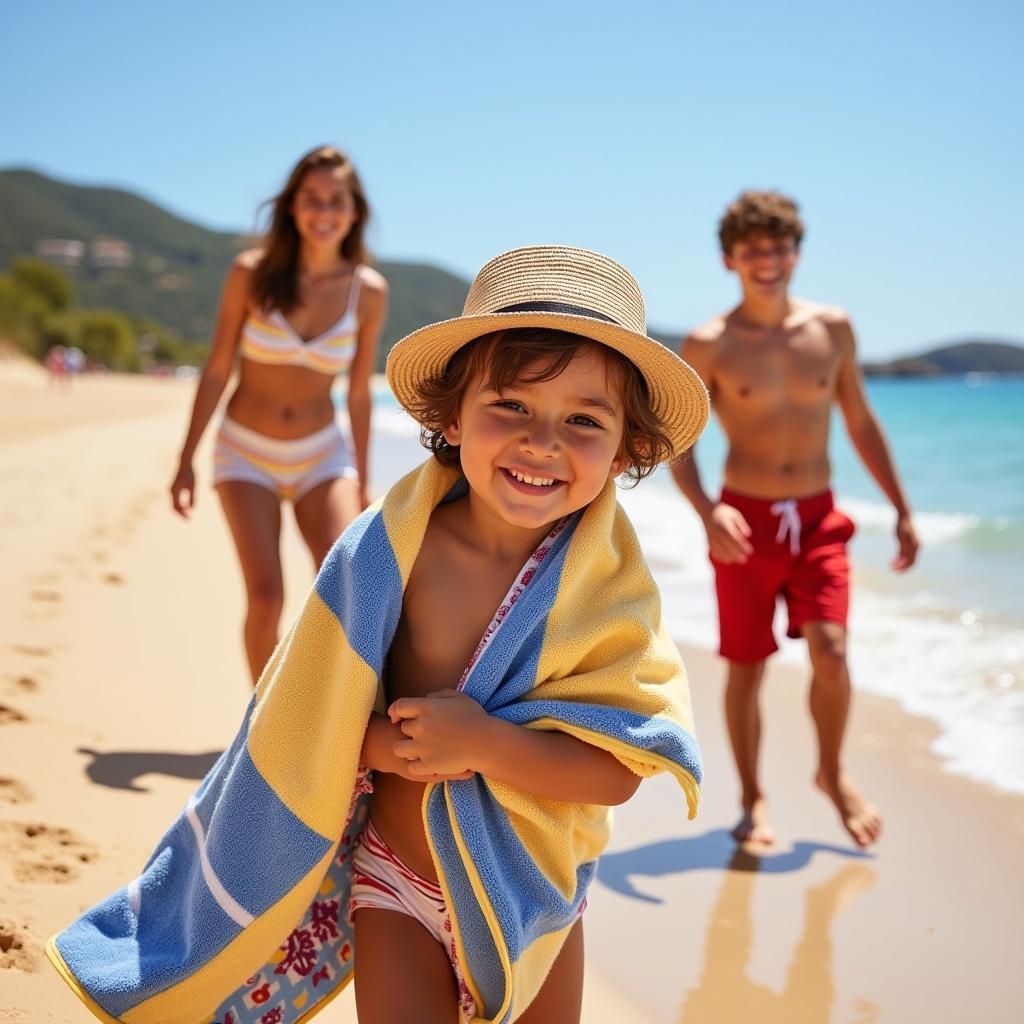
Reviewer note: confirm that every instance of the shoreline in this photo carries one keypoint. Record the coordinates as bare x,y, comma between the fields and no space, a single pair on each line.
107,717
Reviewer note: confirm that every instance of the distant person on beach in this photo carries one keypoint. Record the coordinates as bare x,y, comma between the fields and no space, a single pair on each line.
774,366
56,363
298,311
74,361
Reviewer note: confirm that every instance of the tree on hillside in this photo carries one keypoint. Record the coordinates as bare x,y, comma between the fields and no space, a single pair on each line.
107,337
22,312
45,281
58,329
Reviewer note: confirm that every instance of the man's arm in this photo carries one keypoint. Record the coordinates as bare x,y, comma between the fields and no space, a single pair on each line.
686,474
868,439
727,530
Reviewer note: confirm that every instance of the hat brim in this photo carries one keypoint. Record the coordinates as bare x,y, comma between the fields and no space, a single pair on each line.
678,396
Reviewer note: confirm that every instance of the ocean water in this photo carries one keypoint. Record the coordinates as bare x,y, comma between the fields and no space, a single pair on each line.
945,639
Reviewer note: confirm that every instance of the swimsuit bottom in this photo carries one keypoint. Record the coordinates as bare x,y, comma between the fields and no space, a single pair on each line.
289,468
383,882
799,557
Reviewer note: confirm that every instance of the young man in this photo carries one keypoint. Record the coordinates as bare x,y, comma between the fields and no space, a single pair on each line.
774,365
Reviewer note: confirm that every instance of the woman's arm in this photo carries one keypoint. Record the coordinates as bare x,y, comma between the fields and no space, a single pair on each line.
234,305
447,731
373,305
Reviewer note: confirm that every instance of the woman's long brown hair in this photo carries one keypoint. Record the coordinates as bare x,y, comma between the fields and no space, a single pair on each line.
275,279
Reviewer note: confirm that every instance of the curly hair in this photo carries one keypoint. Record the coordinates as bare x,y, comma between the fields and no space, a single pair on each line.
531,355
772,212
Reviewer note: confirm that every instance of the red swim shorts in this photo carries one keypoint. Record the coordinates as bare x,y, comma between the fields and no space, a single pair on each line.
799,555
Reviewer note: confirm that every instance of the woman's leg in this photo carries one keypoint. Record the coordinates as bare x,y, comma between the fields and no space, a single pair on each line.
561,996
404,973
324,511
254,516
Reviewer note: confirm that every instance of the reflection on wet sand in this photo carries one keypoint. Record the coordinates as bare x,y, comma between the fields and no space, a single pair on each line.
725,995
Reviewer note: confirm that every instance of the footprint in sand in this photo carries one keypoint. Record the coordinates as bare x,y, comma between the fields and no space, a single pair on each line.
16,947
9,715
26,684
49,596
13,792
114,578
44,853
32,652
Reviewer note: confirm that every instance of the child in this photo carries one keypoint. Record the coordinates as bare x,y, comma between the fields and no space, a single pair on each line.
497,759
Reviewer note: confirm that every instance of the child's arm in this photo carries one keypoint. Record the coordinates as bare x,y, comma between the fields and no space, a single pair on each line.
378,753
447,731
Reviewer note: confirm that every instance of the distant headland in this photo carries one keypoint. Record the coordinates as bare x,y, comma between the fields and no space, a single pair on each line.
955,359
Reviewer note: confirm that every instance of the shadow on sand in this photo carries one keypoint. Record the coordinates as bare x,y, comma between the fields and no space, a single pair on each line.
120,769
715,850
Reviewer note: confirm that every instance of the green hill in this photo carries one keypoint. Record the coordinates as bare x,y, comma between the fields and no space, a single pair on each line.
958,358
177,267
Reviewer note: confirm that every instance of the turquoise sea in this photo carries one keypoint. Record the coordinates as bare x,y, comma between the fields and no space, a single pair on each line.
945,639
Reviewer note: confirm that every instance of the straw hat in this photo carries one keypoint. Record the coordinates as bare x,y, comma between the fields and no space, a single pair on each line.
566,289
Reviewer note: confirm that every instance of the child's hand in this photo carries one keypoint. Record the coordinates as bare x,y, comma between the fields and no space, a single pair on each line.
443,730
378,753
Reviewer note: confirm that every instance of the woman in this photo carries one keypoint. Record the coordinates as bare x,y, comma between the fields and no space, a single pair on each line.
299,310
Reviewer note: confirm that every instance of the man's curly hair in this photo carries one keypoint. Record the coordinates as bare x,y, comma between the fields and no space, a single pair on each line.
760,211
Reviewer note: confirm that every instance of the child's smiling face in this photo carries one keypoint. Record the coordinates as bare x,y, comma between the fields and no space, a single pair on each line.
541,450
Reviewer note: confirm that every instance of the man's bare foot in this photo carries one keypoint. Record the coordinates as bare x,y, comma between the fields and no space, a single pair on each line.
859,817
753,827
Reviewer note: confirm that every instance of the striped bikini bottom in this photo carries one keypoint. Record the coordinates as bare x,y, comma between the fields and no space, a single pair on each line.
289,468
383,882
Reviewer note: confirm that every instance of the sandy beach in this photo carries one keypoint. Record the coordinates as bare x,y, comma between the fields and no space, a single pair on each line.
122,677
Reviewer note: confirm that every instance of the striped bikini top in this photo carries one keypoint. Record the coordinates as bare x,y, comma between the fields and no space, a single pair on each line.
267,337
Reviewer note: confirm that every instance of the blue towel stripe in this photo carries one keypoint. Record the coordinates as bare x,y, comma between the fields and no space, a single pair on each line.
229,839
487,974
659,736
525,902
507,669
362,563
180,926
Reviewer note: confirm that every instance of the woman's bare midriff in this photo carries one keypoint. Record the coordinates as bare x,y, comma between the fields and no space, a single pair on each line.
285,402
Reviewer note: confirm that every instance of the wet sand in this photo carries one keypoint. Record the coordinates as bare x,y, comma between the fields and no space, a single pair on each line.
118,687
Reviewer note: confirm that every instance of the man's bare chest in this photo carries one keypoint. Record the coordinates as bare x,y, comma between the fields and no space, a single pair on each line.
799,366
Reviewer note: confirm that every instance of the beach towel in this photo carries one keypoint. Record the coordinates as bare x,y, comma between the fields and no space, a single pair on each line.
241,913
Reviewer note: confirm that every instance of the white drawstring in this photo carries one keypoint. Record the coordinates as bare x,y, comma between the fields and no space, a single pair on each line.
789,523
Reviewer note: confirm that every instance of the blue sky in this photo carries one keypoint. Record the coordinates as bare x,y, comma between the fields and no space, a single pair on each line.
624,127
